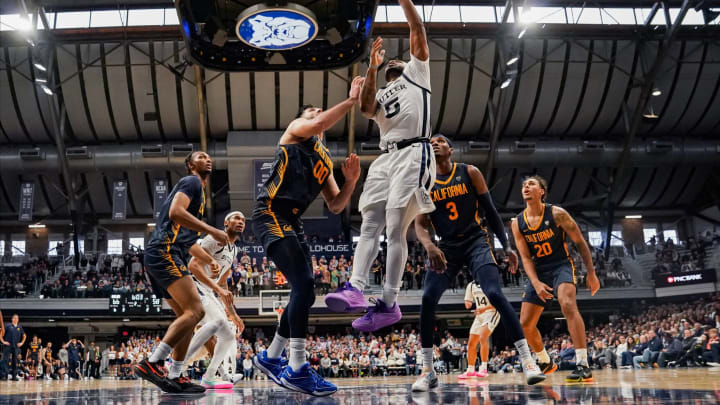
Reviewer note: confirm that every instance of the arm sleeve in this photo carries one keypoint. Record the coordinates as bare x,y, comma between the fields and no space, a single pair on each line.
418,71
493,218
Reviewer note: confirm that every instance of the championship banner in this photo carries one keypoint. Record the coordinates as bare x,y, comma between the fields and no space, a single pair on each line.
27,201
262,171
119,208
329,249
160,193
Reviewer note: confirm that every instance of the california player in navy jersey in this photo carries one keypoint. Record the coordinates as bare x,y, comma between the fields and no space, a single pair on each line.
462,201
166,258
539,233
303,169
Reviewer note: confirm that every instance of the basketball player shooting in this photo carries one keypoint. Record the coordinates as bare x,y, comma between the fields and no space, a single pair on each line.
398,182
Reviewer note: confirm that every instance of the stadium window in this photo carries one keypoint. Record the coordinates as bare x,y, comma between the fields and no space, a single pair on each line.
596,239
171,17
137,243
72,19
108,18
616,239
2,248
671,234
18,248
114,247
50,18
544,15
52,247
146,17
477,14
395,14
443,14
15,22
623,16
648,233
81,247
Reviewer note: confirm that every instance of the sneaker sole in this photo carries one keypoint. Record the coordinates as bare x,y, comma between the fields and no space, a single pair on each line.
218,386
432,386
374,328
267,372
579,380
552,370
536,379
339,305
292,387
151,378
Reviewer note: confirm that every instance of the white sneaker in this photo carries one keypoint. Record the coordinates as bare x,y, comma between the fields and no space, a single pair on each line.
533,374
426,382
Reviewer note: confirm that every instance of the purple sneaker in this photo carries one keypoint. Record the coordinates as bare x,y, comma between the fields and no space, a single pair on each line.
346,299
378,317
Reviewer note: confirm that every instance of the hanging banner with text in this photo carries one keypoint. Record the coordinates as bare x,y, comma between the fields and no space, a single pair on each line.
119,210
327,249
262,171
27,201
160,193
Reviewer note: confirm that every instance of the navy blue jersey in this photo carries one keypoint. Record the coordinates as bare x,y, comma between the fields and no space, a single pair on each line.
545,240
299,174
457,216
169,233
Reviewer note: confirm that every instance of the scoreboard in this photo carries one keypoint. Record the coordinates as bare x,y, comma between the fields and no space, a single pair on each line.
135,304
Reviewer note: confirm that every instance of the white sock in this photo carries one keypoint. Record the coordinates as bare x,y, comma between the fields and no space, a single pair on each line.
543,356
524,352
176,368
427,354
277,346
161,353
389,296
471,368
357,283
201,337
297,353
483,367
581,357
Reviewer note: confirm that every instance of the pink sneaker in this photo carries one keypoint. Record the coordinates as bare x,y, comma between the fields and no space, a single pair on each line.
466,375
481,373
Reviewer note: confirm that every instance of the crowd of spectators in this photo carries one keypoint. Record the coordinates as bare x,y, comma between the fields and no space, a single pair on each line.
689,256
21,279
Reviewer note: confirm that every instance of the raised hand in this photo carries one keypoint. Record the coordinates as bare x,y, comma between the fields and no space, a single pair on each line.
377,54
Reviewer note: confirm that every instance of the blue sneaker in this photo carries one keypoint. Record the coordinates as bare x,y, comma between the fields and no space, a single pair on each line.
270,367
306,381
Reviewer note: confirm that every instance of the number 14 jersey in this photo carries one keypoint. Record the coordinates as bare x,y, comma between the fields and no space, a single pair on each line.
457,218
545,240
404,105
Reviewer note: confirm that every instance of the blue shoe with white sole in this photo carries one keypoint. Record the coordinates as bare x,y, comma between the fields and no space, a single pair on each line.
269,366
307,381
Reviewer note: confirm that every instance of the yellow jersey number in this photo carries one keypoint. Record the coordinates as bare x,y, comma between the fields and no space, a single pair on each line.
543,250
320,171
453,210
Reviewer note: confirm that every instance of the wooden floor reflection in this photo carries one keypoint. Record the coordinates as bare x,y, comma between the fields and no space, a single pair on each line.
696,386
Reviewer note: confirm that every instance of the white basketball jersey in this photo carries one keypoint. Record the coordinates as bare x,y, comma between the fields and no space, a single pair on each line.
404,104
474,293
223,254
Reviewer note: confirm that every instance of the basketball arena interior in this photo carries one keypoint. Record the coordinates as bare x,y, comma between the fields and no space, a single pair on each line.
610,107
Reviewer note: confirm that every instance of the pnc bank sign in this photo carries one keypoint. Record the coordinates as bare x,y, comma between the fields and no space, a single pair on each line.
679,279
690,277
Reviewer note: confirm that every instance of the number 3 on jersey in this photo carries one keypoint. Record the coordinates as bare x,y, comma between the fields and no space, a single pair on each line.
453,210
320,171
543,250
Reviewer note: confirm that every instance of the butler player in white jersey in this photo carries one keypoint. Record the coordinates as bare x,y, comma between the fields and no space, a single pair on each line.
397,186
486,320
221,319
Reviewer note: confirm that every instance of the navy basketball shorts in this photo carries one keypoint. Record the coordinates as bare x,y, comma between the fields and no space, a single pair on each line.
165,265
552,276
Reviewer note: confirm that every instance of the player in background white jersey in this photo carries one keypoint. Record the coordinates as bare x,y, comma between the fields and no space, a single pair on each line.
486,320
398,181
221,319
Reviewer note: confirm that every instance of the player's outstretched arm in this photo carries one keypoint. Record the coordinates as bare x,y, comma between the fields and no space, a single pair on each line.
436,256
491,214
368,102
418,40
306,128
338,198
567,223
543,290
